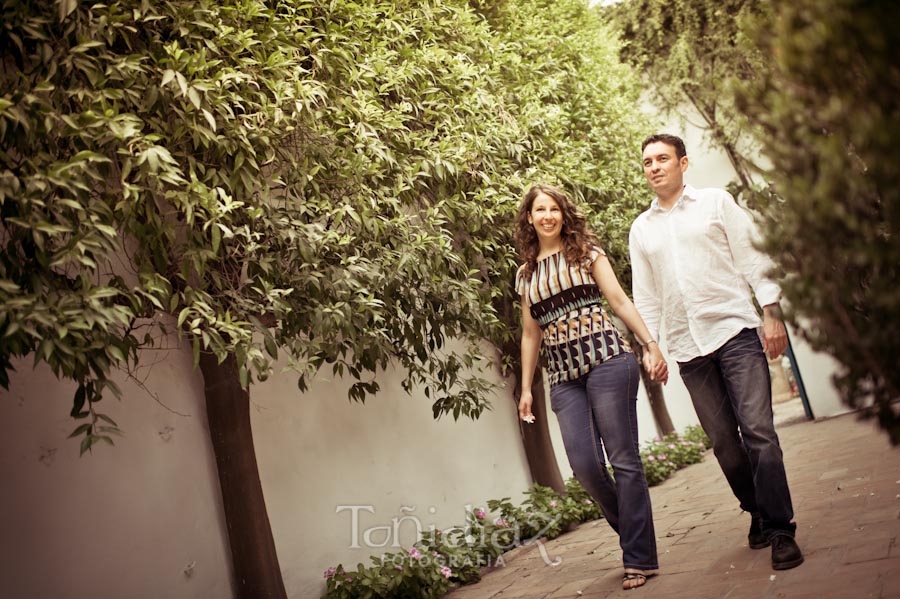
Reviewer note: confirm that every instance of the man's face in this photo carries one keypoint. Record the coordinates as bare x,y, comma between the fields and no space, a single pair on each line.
663,169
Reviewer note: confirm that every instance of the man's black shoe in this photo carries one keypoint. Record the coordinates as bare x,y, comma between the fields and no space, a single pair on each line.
755,537
785,552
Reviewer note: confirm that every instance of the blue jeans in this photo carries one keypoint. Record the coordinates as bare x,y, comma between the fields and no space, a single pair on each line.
732,395
595,412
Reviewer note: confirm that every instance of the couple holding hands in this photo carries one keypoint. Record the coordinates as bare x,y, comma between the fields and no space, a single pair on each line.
693,267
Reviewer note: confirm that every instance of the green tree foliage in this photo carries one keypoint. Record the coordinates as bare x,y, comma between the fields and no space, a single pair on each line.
690,52
322,180
222,168
574,108
827,111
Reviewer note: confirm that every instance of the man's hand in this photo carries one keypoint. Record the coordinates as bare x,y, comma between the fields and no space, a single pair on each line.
655,364
774,333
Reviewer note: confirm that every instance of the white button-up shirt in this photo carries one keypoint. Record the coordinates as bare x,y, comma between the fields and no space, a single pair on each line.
693,267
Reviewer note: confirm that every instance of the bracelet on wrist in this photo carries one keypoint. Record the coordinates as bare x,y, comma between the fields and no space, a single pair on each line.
647,343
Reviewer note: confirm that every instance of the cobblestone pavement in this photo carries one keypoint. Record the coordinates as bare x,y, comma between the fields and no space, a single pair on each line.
845,482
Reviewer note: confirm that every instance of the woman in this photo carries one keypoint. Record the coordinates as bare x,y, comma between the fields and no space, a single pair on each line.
593,374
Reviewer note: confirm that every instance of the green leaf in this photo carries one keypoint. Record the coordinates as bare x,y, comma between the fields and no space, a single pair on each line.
194,97
82,429
116,353
209,119
271,347
86,444
106,418
66,7
216,235
168,76
195,345
78,401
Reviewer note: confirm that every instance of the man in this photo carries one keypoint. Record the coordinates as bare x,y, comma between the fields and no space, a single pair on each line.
694,264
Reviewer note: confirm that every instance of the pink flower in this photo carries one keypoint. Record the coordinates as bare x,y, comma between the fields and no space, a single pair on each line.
671,446
650,458
415,553
480,513
657,439
663,456
330,572
588,501
553,503
446,572
398,567
501,522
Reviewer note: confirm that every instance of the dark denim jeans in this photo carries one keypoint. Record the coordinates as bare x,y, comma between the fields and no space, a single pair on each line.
732,395
595,412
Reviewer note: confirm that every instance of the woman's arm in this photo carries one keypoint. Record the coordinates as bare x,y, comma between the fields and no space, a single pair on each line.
531,347
654,361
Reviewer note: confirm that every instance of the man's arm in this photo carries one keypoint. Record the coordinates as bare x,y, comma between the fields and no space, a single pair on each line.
756,267
647,299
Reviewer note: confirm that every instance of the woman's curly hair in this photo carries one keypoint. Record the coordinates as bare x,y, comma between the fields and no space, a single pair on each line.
576,240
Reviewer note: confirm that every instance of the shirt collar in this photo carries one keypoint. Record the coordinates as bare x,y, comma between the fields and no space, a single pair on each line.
688,193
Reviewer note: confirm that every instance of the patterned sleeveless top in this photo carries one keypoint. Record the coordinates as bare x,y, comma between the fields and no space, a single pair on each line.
564,299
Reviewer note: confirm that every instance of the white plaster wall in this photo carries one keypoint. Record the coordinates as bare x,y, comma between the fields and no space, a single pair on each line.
142,519
405,471
818,370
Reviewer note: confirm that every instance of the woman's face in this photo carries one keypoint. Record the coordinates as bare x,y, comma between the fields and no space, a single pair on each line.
546,217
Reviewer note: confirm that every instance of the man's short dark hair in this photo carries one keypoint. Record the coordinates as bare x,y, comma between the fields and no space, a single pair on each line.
672,140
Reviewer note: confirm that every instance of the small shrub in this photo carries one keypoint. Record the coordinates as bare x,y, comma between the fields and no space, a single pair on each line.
663,456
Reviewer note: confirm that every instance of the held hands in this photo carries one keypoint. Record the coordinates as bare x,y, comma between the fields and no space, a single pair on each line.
525,407
774,333
655,363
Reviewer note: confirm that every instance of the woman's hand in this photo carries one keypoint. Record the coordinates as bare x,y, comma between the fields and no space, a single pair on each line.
655,363
525,402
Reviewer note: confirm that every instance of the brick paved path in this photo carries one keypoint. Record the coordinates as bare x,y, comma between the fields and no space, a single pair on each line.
845,481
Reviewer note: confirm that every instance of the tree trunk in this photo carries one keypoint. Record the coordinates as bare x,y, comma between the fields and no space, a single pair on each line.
536,436
255,563
655,395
